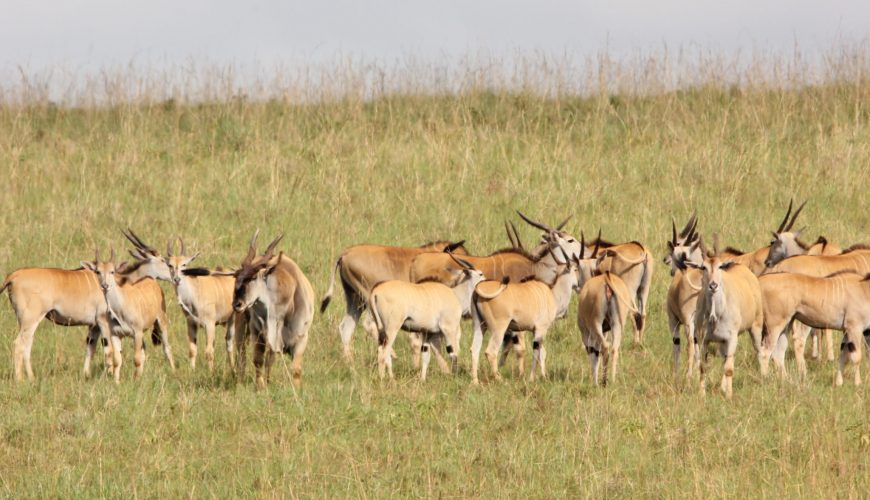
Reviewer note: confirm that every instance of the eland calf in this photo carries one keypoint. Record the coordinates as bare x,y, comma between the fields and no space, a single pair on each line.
361,267
206,300
133,307
429,308
683,293
531,305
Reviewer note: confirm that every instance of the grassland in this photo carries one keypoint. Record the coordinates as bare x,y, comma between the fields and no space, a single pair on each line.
404,168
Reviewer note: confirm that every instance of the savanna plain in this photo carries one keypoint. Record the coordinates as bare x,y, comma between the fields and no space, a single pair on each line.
403,168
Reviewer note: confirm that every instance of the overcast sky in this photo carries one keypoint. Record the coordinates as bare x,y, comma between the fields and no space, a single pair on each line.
84,35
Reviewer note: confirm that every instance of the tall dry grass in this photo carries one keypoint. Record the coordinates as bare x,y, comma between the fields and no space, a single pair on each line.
399,154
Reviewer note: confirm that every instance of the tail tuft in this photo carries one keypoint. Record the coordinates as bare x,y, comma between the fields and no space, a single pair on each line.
326,298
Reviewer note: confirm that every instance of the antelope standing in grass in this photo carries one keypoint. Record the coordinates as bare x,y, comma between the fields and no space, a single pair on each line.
360,268
66,298
684,291
630,261
633,263
730,303
531,305
279,304
855,258
602,306
133,307
430,309
839,302
206,300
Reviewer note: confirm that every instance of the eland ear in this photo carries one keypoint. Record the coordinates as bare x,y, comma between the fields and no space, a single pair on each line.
86,264
271,267
799,231
191,258
122,267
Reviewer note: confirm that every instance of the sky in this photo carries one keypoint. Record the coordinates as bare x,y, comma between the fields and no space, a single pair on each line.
88,35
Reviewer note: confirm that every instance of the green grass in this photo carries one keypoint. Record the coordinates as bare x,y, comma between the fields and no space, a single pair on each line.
405,169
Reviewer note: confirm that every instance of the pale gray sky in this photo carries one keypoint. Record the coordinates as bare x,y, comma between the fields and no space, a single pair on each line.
85,35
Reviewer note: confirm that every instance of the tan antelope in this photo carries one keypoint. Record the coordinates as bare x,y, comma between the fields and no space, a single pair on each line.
279,304
573,272
631,261
512,263
360,268
602,306
430,309
64,297
786,244
823,247
730,303
531,305
839,302
684,291
133,307
205,300
855,258
634,264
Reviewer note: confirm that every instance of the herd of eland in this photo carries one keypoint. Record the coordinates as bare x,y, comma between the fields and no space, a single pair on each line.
787,290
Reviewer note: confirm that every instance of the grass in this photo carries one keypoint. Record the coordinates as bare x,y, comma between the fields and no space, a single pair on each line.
404,168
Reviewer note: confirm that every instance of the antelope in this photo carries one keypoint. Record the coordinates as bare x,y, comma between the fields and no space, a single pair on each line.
66,298
133,307
633,264
428,308
730,303
684,291
602,305
360,268
206,300
840,302
855,258
513,263
786,245
630,261
279,304
531,305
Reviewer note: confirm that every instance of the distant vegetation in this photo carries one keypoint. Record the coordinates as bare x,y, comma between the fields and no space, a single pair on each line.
332,158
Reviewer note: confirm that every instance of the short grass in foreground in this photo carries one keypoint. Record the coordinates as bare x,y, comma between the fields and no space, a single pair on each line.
404,170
